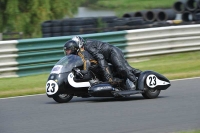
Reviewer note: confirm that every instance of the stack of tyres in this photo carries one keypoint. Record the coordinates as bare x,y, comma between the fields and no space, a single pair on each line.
46,29
123,23
70,26
56,28
76,26
154,15
188,8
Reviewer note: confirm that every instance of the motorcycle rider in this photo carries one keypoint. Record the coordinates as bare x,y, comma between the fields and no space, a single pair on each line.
71,47
105,53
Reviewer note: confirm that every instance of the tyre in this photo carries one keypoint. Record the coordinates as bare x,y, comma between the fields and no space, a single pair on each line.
56,34
66,28
108,19
76,22
135,21
88,21
66,33
63,98
47,35
56,29
75,33
47,23
46,30
80,28
65,22
150,93
56,23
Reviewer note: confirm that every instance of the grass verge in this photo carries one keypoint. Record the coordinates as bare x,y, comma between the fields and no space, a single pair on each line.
196,131
130,5
173,66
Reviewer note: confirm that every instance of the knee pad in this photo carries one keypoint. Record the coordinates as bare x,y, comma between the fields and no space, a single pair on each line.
99,56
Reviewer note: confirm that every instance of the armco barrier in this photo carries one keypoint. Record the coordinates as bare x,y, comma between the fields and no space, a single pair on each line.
34,56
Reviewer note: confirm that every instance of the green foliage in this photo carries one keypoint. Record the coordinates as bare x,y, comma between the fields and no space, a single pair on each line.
27,15
123,6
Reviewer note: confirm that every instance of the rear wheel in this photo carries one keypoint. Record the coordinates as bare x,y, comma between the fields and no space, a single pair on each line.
63,98
151,93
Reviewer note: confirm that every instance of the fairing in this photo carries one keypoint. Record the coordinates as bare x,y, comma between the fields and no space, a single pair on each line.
159,82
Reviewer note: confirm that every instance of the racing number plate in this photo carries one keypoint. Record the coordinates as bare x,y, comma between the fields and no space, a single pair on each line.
51,87
152,81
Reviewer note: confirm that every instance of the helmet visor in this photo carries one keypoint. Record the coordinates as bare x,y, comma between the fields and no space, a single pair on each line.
67,51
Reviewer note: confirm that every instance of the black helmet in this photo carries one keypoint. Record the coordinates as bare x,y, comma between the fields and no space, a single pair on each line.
70,45
79,40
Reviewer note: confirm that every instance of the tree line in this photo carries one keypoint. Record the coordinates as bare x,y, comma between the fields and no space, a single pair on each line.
27,15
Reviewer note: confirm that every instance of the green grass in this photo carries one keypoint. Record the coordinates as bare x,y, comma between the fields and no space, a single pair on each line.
23,85
173,66
197,131
123,6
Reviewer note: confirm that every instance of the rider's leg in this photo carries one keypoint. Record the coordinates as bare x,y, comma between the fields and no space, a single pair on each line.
118,61
106,70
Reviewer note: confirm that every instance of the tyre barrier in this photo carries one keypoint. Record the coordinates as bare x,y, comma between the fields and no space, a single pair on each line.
187,16
128,15
108,19
187,8
153,15
167,14
197,15
186,5
192,5
65,27
74,26
180,6
140,14
135,21
150,15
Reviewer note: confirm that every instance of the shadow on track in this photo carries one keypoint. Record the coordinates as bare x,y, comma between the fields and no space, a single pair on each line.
104,99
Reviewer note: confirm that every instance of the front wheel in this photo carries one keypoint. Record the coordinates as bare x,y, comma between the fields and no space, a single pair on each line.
62,98
151,93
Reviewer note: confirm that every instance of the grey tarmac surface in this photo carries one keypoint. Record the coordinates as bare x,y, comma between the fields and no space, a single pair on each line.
176,109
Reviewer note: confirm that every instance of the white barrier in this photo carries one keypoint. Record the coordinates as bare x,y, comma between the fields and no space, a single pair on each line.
163,40
0,36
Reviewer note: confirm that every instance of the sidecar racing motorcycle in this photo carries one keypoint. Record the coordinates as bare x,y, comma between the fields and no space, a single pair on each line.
62,83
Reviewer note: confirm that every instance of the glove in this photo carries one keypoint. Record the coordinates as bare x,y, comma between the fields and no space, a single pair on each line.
78,72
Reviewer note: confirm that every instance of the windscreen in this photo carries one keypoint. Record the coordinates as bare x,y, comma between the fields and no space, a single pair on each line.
67,63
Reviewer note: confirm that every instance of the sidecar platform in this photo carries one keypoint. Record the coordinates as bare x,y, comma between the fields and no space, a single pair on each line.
126,93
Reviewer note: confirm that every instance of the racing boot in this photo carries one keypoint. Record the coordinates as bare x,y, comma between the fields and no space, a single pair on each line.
136,72
94,82
109,77
132,79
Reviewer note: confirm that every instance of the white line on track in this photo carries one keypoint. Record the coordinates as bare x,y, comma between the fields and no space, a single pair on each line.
185,79
22,96
44,94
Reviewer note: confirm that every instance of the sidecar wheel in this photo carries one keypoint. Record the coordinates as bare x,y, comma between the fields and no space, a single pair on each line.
151,93
63,98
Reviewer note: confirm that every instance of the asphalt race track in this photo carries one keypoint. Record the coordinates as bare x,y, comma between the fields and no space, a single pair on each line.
176,109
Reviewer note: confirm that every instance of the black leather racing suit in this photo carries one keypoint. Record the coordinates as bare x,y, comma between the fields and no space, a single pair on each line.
89,64
105,53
